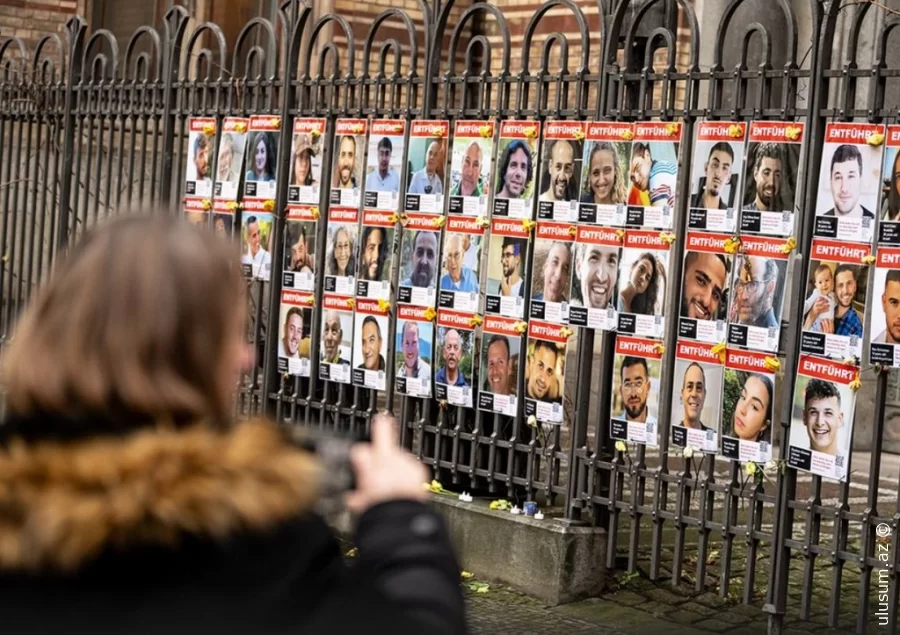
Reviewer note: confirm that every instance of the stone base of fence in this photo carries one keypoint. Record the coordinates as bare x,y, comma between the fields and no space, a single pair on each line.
550,559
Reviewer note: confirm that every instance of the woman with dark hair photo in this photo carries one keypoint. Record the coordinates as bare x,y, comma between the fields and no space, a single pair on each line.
891,209
301,162
262,157
752,419
604,179
644,286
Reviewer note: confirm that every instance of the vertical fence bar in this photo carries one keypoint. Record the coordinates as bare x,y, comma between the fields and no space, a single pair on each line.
75,31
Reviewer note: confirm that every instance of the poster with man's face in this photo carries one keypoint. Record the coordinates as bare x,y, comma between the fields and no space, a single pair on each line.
697,397
300,249
305,181
560,177
336,347
516,170
419,250
257,231
595,278
748,407
849,182
455,358
384,167
769,188
654,174
643,272
231,158
889,227
501,348
196,212
835,300
414,357
340,251
822,417
757,294
718,159
885,312
375,261
295,318
545,372
460,281
635,402
470,167
705,288
506,269
347,162
427,167
201,144
606,169
370,327
551,280
261,167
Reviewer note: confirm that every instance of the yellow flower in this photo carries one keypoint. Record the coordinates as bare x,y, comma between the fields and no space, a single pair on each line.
750,468
688,452
384,306
660,349
465,575
240,127
484,588
520,327
528,224
566,332
719,350
672,129
207,204
573,230
442,404
439,221
789,245
732,245
482,221
793,132
500,504
403,218
398,127
476,320
436,487
875,139
531,132
310,300
620,234
621,447
314,211
232,205
209,129
269,205
486,131
351,553
735,131
628,135
351,303
315,133
773,364
667,237
856,384
430,314
358,128
437,132
868,260
850,361
275,122
579,135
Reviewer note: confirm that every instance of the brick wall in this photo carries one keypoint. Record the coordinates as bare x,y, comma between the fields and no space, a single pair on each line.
32,19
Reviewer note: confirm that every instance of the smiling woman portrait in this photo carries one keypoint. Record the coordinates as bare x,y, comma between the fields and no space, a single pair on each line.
131,502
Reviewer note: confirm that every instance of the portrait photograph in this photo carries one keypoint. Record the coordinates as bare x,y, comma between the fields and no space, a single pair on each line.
697,395
770,176
545,371
257,232
199,164
748,406
560,170
636,388
470,167
375,253
300,247
340,253
550,281
706,285
306,168
455,357
642,281
605,172
294,338
890,179
419,251
835,298
715,174
384,169
595,276
414,346
653,172
370,340
821,426
347,162
426,165
230,162
757,291
336,342
885,325
516,169
461,262
500,363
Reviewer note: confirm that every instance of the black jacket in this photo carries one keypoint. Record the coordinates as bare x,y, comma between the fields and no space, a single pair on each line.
194,531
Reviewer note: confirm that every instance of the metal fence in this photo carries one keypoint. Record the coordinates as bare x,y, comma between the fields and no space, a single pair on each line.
88,130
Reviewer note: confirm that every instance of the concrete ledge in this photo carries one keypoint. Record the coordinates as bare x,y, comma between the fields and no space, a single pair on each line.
547,559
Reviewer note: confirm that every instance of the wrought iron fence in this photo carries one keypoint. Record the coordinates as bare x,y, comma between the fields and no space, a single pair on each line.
88,131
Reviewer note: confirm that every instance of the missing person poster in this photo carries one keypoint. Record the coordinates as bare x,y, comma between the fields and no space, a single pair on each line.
501,348
198,171
427,163
419,250
635,402
261,160
849,181
822,417
643,271
385,169
347,162
885,326
552,273
376,242
340,251
232,145
889,227
595,278
560,177
757,294
415,351
654,174
834,309
336,347
257,233
516,171
305,182
455,358
718,159
697,397
370,348
296,321
545,372
606,167
770,177
705,288
748,407
196,211
470,168
461,268
506,274
300,248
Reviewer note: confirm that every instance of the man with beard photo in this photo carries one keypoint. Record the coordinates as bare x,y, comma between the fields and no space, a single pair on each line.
822,416
413,366
540,374
374,253
560,170
345,164
512,284
371,345
201,157
332,336
755,289
451,374
498,366
703,290
693,397
383,178
846,183
634,390
890,304
556,274
768,172
516,170
718,175
596,274
424,261
289,346
846,320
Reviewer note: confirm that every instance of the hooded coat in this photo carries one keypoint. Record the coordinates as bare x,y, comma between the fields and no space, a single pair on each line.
196,531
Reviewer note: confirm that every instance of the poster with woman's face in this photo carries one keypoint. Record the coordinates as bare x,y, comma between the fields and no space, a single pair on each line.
748,407
306,161
507,268
718,159
262,158
340,251
643,272
231,157
605,173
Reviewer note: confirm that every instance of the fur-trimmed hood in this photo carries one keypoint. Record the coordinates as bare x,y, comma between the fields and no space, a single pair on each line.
62,504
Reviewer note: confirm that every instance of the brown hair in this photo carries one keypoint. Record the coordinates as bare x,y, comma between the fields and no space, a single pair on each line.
132,329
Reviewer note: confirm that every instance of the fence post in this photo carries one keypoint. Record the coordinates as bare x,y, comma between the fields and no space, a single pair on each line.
75,31
175,25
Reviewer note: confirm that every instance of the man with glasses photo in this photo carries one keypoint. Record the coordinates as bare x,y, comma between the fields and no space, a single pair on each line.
755,285
458,277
